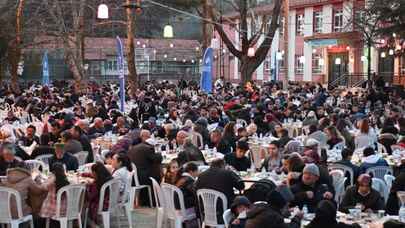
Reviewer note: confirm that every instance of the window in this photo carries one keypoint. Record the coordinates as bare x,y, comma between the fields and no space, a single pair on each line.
338,20
318,22
299,64
317,63
300,25
359,16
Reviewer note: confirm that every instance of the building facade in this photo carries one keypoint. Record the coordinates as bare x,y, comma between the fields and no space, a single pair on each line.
323,45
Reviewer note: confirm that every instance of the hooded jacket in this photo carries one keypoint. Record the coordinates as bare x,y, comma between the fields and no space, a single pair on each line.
21,180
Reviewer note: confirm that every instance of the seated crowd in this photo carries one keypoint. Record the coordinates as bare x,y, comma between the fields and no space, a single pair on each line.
362,127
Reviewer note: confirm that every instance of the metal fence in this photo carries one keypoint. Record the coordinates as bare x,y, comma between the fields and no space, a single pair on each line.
101,65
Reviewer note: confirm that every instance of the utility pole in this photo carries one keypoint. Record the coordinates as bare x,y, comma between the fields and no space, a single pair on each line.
286,10
206,31
16,55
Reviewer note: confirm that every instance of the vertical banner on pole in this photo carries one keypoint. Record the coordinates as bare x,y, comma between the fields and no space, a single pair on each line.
206,73
120,61
45,69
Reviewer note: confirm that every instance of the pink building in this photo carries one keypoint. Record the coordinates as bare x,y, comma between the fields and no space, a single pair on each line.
323,45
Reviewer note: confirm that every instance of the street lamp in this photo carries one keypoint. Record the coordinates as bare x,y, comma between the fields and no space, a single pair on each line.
129,6
102,11
168,31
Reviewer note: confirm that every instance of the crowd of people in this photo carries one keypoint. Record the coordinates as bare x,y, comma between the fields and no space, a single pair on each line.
60,121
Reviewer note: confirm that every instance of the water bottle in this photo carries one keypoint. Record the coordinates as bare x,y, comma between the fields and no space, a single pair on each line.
305,210
401,214
206,147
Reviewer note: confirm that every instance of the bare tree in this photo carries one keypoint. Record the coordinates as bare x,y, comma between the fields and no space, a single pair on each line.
66,23
244,9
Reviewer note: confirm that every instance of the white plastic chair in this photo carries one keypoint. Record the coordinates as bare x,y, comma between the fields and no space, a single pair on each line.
81,157
389,179
379,171
209,200
138,187
227,216
255,156
35,165
160,203
74,200
380,186
179,216
44,158
6,196
345,169
337,176
113,187
340,190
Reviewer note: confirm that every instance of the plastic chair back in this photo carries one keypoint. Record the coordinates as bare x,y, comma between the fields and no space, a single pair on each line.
81,157
44,158
379,171
74,199
112,187
209,202
8,198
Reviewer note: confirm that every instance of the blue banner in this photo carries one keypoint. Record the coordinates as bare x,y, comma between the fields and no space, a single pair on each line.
45,69
120,63
206,74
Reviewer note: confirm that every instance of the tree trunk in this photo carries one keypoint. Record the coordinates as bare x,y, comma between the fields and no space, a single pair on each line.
247,68
16,49
206,27
132,77
370,84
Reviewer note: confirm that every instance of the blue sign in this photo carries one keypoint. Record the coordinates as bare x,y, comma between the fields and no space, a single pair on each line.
120,63
45,69
206,74
323,42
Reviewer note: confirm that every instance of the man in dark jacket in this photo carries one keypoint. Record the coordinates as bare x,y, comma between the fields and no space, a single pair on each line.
189,152
71,163
362,193
309,191
393,202
79,135
146,160
220,179
262,215
238,159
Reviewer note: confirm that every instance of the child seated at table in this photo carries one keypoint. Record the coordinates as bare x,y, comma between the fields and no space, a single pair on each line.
56,181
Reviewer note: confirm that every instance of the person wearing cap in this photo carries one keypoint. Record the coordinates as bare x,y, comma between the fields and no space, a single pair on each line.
362,193
239,208
238,159
8,160
71,163
309,190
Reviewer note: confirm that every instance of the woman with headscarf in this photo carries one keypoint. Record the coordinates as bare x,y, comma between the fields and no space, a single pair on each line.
362,193
325,216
